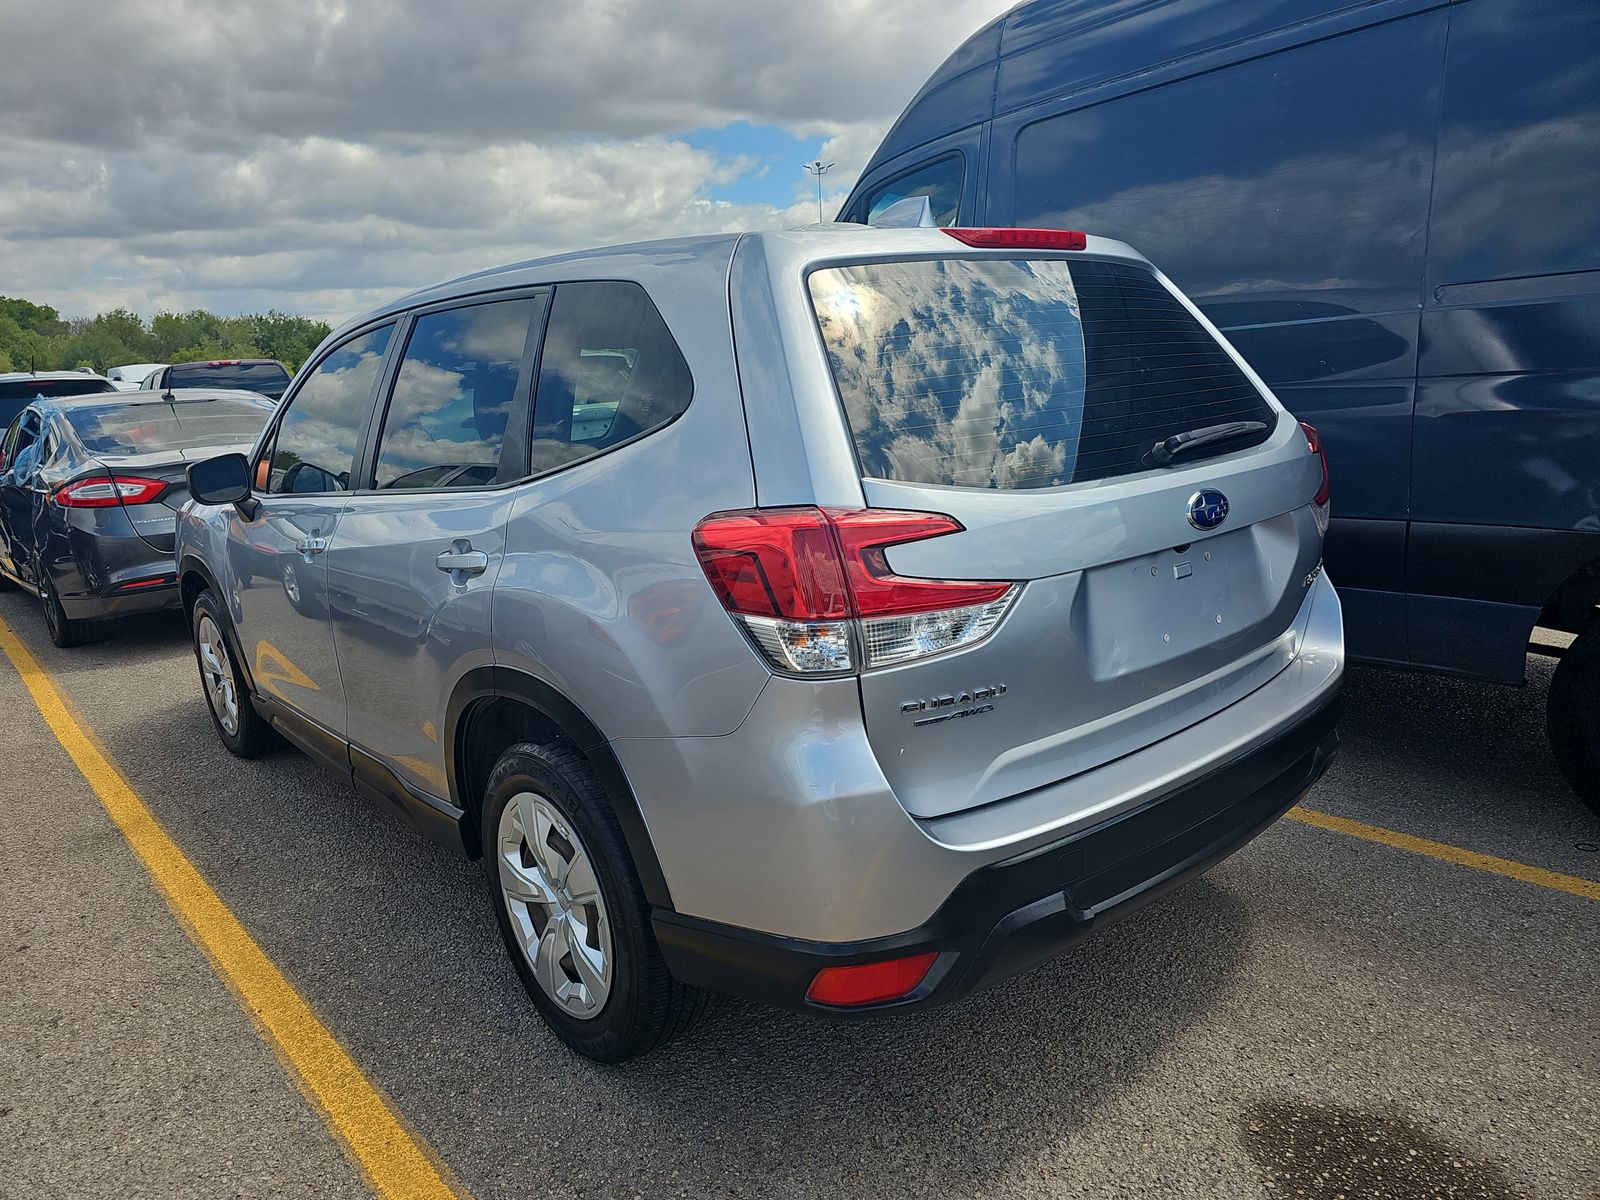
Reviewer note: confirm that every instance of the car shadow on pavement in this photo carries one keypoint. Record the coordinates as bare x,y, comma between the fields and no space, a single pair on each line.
127,641
945,1100
393,940
1442,756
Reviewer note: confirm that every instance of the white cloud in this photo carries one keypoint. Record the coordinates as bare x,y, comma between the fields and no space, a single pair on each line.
319,157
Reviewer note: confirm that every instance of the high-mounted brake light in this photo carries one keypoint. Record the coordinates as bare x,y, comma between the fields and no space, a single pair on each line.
101,491
1021,239
1319,502
225,362
814,589
870,983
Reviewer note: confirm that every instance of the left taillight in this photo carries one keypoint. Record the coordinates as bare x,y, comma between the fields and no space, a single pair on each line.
814,589
1319,502
108,491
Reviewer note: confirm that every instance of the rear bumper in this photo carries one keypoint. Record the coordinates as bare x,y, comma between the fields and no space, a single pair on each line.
156,598
98,574
1011,915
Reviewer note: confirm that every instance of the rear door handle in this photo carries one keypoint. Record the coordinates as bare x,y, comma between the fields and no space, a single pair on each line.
467,562
311,545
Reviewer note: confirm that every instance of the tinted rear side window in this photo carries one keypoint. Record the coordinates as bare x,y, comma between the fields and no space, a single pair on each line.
609,371
267,378
1003,374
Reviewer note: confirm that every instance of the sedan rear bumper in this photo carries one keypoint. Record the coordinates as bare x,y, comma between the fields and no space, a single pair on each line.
122,602
100,573
1012,915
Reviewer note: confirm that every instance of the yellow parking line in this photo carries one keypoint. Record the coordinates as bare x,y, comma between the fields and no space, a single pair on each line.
1511,869
395,1161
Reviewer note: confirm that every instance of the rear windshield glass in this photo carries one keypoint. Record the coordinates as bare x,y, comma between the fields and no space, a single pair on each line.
183,424
268,378
991,373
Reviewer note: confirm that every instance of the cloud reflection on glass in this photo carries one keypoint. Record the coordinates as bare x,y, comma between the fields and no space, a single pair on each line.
965,372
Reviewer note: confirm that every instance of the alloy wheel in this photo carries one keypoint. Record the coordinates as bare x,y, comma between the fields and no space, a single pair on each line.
549,886
216,672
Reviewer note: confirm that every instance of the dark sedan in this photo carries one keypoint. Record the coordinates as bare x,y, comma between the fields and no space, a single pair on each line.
89,494
18,389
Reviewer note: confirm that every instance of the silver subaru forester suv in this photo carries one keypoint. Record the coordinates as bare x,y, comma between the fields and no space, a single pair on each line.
848,618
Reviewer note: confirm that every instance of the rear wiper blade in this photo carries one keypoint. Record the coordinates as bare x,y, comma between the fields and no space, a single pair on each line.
1167,451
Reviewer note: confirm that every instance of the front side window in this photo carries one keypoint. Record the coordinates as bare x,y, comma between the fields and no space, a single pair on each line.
453,396
991,373
609,372
314,447
939,181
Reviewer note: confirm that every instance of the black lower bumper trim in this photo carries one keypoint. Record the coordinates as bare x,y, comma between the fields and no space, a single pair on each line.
1009,916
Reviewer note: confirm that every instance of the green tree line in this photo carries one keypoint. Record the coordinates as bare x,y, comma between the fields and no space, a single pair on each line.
36,337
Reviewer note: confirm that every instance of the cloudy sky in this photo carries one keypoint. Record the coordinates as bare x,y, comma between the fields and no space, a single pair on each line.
320,155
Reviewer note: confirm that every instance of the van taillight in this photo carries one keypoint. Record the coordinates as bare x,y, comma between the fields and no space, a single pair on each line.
814,589
1324,491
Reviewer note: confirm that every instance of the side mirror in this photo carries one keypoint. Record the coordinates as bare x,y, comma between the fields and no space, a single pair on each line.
221,480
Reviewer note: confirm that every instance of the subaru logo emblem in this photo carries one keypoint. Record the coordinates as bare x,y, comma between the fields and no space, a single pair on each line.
1208,509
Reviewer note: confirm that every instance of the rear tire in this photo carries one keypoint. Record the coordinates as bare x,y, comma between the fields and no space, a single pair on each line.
64,631
241,729
1572,716
587,955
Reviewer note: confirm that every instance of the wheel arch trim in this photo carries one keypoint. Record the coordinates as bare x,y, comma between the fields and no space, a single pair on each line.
504,683
193,564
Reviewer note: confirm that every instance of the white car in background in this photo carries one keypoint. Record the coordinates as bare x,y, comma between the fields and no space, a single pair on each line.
127,378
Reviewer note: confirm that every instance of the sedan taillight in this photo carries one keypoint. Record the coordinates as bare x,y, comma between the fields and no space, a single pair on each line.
102,491
814,589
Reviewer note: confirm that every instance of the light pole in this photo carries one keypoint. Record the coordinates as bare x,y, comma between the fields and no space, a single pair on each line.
819,169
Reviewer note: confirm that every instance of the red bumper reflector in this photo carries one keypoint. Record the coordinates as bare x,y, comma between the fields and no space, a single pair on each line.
136,584
870,983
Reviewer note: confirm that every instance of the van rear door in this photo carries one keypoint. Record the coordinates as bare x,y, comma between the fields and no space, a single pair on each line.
1100,446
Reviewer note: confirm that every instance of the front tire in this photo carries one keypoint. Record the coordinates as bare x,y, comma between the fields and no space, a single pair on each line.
241,729
1572,716
572,911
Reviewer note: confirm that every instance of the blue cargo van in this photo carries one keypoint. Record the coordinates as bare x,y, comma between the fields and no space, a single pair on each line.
1393,210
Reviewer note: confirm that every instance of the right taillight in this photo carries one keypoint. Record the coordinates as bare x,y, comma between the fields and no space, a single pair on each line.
814,589
1319,502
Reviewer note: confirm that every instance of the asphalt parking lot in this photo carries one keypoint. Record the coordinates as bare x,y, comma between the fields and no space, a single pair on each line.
1322,1015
